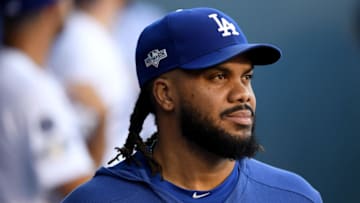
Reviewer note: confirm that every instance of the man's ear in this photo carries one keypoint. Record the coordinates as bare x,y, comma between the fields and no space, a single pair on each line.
163,95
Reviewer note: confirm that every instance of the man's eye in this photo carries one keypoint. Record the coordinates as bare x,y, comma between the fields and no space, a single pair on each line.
219,76
248,76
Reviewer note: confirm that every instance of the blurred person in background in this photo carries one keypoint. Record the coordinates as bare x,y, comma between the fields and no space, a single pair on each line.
43,156
18,181
131,19
87,54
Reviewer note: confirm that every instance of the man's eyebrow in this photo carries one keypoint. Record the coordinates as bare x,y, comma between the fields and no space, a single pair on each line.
207,70
221,67
250,70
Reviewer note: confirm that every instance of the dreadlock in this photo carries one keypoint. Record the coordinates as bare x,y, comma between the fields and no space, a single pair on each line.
133,142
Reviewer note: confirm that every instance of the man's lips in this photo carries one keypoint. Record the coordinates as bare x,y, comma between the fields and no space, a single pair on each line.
241,117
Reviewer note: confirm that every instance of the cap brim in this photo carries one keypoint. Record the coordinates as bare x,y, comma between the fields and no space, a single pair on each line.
258,54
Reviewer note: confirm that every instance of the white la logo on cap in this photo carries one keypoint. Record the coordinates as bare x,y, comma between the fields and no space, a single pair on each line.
224,26
154,57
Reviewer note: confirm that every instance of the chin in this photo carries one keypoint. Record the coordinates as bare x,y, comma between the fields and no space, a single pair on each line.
241,135
243,132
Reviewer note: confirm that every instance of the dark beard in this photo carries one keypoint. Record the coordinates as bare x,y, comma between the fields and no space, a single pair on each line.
201,131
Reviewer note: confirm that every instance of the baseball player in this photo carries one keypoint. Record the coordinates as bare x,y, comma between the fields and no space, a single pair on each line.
43,156
86,54
194,67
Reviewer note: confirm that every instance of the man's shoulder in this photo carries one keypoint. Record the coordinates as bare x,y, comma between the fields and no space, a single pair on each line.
279,179
98,189
107,186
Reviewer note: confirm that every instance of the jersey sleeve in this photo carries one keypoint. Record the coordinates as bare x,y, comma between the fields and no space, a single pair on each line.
59,149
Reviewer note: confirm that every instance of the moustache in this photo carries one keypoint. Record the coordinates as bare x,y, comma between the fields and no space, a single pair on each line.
238,108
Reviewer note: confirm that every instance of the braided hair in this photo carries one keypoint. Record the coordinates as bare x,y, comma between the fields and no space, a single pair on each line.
143,107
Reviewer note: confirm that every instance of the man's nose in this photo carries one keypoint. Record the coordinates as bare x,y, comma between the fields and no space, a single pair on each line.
240,93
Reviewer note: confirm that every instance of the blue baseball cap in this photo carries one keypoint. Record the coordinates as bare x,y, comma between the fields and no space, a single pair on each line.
192,39
14,8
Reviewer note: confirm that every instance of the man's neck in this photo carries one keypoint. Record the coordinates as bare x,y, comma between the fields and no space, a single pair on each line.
188,167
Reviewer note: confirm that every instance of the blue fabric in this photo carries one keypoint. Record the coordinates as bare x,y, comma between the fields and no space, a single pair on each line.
257,183
195,39
218,194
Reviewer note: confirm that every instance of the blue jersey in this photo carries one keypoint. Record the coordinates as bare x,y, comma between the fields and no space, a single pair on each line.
250,182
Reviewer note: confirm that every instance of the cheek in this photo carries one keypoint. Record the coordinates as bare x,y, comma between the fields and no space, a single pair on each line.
203,99
253,101
252,97
212,103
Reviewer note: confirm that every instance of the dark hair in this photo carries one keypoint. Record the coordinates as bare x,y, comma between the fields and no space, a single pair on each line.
143,107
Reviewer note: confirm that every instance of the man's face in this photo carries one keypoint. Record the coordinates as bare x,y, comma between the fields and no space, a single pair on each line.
216,108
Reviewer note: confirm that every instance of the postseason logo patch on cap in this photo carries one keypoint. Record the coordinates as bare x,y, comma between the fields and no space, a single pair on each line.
154,57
